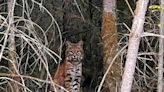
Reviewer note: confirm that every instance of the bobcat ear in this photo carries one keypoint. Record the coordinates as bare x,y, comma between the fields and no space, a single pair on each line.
80,43
68,43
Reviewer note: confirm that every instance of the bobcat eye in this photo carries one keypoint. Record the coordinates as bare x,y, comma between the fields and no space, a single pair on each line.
78,53
71,52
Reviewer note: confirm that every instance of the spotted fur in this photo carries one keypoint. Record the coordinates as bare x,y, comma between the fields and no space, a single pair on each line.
68,75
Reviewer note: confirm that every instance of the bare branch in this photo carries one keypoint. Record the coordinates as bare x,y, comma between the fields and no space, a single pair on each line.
134,40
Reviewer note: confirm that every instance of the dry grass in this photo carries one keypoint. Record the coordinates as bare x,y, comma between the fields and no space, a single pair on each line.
33,53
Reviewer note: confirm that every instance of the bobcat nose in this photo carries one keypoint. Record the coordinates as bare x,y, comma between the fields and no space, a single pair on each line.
74,56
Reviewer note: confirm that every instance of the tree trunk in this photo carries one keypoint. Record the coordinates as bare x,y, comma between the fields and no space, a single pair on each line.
12,49
109,40
161,48
134,40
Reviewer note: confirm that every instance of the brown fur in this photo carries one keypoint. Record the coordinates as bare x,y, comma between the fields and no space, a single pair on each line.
68,75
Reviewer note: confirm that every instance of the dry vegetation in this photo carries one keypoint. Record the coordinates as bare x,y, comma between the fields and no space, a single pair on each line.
39,36
146,75
40,33
32,53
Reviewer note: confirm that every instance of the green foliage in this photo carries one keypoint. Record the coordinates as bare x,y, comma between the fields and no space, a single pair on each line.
155,8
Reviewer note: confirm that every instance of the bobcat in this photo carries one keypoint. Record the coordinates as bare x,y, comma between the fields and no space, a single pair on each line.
68,74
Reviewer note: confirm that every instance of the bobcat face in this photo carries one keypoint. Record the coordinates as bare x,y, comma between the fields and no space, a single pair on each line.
74,51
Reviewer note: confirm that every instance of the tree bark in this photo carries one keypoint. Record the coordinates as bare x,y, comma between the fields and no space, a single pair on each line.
109,40
134,40
12,48
161,48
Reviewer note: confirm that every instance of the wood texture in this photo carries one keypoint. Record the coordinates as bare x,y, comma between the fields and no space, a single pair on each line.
134,40
109,40
12,48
